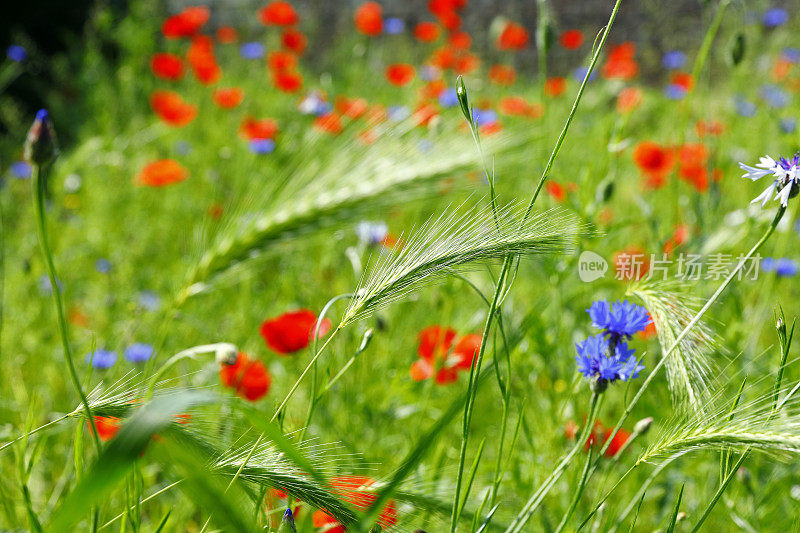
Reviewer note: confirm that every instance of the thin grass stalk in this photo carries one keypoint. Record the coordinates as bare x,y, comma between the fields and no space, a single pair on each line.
38,181
533,502
578,492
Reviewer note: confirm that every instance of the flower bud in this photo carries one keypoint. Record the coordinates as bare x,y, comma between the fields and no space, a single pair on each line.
226,354
598,385
365,340
287,523
41,146
463,99
643,425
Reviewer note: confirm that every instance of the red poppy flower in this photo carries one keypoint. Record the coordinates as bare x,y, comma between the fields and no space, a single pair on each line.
554,87
571,39
649,331
171,108
161,173
556,191
228,98
513,37
629,99
328,123
502,74
202,60
424,115
250,379
422,370
351,108
697,176
442,7
517,105
654,161
617,442
466,349
278,13
683,80
294,40
621,63
435,342
466,63
712,128
167,66
443,58
369,18
186,23
427,32
693,155
631,263
253,129
460,40
107,426
279,61
432,89
356,491
227,35
400,74
570,429
450,20
287,81
292,331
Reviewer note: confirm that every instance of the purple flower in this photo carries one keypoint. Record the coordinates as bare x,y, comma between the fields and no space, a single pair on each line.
783,267
484,116
20,169
253,50
594,361
102,359
786,178
674,92
371,233
774,96
674,59
579,73
791,54
775,17
138,352
149,300
788,125
102,265
262,146
744,107
623,319
394,26
448,98
16,53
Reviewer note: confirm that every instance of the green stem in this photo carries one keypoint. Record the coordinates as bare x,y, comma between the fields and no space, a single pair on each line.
38,182
577,496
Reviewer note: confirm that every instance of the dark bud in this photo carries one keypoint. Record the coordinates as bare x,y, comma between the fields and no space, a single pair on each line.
545,35
736,49
598,385
287,523
41,147
604,191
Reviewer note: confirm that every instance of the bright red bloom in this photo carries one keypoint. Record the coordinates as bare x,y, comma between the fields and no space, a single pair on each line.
280,61
713,128
329,123
654,161
629,99
466,349
502,74
356,491
434,349
292,331
435,342
620,438
466,63
167,66
571,39
369,18
287,81
427,32
186,23
400,74
649,331
450,20
161,173
172,109
351,108
693,155
228,98
421,370
250,379
294,40
460,40
432,89
442,7
278,13
554,87
513,37
252,129
107,426
517,105
202,60
556,191
683,80
621,63
697,176
227,35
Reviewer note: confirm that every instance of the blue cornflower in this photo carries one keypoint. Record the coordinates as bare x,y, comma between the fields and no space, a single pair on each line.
791,54
138,352
579,73
774,96
783,267
262,146
149,300
484,116
788,124
448,98
674,59
674,92
398,113
594,362
744,107
786,174
253,50
775,17
102,265
621,320
102,359
371,233
314,104
20,169
394,26
16,53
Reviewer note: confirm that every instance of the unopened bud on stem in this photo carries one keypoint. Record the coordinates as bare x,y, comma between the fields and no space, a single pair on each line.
41,147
